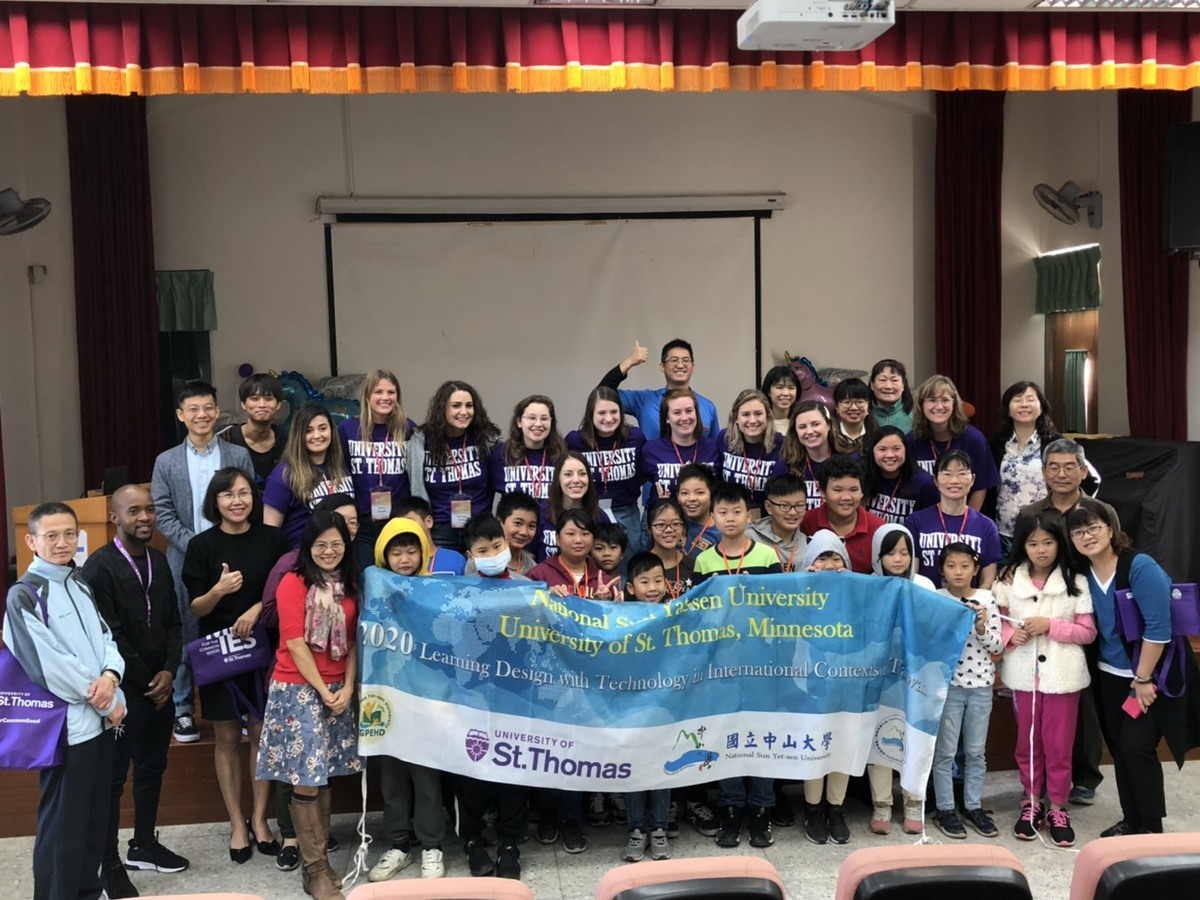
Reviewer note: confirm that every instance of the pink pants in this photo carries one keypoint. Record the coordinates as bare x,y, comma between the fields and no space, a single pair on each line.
1051,718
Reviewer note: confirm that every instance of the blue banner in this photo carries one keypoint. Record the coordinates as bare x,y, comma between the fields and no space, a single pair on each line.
794,676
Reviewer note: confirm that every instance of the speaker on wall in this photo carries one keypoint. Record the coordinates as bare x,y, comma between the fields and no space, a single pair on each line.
1183,187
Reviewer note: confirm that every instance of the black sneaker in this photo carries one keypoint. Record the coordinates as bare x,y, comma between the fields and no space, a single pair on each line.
479,861
782,813
598,813
981,822
186,730
700,817
948,823
1121,829
153,857
1029,821
116,883
573,839
620,811
731,827
508,862
814,823
673,820
835,821
1061,832
547,830
332,845
758,823
288,859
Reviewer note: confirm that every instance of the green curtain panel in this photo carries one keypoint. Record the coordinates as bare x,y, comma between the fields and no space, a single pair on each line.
1068,282
1074,393
186,301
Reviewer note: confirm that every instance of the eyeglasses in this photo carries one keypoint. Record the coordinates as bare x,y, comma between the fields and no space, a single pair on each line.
196,410
228,496
862,403
536,419
322,547
788,507
666,526
1062,468
1092,530
53,537
677,361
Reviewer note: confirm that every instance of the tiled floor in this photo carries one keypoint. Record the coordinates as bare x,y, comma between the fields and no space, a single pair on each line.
809,871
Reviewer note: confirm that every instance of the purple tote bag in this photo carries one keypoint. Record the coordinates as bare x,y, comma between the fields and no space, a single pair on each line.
1185,621
222,656
32,720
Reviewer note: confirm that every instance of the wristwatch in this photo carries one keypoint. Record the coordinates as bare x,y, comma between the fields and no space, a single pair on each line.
1139,680
112,676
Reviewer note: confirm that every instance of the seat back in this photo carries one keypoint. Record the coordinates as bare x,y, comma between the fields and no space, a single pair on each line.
932,872
462,888
702,878
1137,866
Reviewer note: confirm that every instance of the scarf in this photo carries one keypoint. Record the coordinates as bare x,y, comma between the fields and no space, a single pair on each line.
325,619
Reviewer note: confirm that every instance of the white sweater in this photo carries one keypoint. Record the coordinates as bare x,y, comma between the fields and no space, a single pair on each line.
1059,664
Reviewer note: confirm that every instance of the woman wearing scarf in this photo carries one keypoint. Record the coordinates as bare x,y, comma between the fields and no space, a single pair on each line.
310,730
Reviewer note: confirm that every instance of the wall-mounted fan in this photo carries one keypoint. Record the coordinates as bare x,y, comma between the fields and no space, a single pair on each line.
17,214
1066,202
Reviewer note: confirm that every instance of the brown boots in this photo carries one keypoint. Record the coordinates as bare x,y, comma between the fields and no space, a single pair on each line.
312,830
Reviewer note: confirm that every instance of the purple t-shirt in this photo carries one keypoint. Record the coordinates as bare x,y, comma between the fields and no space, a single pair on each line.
532,473
891,507
662,459
375,464
932,530
924,454
753,467
614,468
465,472
296,513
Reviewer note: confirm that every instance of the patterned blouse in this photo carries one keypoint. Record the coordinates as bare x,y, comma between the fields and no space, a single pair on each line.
1021,482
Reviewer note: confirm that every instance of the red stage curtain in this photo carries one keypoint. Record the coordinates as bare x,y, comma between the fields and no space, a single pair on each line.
1155,284
83,48
966,246
116,302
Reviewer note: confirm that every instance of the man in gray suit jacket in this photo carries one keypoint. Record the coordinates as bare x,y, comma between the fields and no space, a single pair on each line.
180,481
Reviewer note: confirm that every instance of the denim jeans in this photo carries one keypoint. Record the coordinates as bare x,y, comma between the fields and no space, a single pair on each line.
648,809
748,791
966,713
630,518
183,691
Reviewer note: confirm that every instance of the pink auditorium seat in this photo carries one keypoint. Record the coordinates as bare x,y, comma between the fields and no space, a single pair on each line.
1138,866
203,897
701,878
932,872
442,889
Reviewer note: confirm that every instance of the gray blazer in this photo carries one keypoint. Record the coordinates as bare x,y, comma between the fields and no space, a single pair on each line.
172,492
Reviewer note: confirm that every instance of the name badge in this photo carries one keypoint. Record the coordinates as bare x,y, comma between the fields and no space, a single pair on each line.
606,503
381,506
460,510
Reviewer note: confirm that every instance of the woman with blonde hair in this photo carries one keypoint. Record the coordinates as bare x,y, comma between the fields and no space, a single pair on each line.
373,446
940,425
750,447
312,467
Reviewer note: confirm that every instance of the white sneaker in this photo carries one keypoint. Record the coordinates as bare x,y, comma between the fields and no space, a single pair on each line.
389,864
432,865
660,847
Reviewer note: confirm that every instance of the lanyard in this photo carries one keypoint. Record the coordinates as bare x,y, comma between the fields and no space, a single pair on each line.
962,527
612,455
700,535
536,477
678,456
460,470
138,573
583,582
791,560
741,559
379,456
675,588
934,450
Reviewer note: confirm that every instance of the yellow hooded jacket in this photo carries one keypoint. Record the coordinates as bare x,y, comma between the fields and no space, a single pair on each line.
402,526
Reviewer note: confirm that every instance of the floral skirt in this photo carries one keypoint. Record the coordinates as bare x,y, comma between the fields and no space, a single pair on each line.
302,742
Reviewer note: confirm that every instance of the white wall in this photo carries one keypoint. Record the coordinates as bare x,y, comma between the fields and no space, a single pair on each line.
1052,138
39,376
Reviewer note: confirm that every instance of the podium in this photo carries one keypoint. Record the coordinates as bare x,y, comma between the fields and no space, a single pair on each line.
93,520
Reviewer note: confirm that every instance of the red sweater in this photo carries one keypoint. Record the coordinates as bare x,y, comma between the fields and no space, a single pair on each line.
290,599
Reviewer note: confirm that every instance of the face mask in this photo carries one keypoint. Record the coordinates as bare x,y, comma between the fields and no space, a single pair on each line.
491,566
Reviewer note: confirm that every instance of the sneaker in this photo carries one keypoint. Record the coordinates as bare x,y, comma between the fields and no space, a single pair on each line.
815,828
782,813
635,847
673,820
701,818
660,844
547,830
731,827
758,823
332,845
508,862
914,817
432,863
948,824
288,859
620,811
1029,821
479,861
981,822
245,726
116,883
186,730
1061,832
598,814
881,818
573,839
1121,829
835,821
153,857
1082,796
388,865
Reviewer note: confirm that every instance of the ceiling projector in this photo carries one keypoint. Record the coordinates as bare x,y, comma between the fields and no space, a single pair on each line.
814,25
